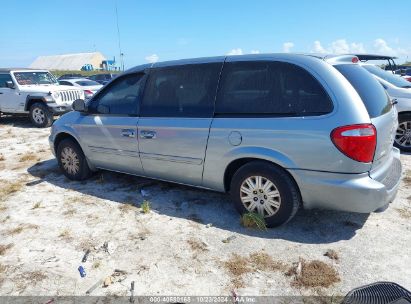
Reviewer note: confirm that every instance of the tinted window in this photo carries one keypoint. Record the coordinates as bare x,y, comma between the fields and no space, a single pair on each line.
121,97
273,88
180,91
85,83
3,79
370,90
65,83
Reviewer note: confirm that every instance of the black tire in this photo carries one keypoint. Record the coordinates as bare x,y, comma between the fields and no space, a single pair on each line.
404,125
286,186
40,115
69,145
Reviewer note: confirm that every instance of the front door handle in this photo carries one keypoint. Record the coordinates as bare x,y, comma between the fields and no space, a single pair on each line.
148,134
128,133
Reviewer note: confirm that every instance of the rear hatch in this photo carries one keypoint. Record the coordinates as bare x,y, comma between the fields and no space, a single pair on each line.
382,113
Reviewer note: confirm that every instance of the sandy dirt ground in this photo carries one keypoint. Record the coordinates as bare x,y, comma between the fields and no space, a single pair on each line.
47,223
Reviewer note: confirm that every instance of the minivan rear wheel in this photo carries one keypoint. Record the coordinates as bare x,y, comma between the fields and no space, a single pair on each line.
72,161
266,189
403,134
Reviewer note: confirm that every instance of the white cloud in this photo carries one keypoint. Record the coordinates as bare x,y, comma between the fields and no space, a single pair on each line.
255,52
287,46
235,52
318,48
152,58
340,46
382,47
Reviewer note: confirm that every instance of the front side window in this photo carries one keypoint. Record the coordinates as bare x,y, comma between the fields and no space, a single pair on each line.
270,88
3,80
181,91
32,78
121,97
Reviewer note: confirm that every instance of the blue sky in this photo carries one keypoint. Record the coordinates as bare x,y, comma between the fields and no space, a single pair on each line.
173,29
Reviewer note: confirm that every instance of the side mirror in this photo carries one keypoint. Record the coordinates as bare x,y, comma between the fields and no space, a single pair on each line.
10,84
79,105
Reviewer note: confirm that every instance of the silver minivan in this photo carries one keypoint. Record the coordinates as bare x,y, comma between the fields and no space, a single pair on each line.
276,131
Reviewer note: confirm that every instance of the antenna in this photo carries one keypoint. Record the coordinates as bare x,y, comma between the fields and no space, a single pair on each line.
119,41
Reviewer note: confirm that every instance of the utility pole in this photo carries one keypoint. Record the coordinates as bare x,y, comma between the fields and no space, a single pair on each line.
119,41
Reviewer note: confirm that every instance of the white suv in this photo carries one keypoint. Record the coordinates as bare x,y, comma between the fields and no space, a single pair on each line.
37,93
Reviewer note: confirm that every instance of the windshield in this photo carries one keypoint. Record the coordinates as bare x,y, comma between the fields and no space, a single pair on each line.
30,78
388,76
85,83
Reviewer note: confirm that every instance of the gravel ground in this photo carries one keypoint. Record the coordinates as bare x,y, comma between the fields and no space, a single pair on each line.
47,223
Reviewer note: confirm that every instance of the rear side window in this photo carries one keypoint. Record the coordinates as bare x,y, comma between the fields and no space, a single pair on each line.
372,93
270,88
181,91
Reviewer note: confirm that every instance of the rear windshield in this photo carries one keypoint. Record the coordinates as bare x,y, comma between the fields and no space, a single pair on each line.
85,83
370,90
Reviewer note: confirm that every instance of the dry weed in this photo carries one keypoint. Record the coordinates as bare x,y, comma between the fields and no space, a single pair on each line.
405,213
332,254
20,229
8,188
5,248
30,156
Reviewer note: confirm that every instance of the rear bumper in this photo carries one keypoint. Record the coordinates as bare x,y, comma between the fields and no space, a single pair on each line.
362,193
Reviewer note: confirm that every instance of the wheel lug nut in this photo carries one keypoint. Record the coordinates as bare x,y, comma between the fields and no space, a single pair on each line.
261,202
255,199
265,196
255,192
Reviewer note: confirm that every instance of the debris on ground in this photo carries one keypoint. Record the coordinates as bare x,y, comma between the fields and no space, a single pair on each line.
145,206
145,193
82,271
132,292
332,254
209,225
107,281
229,239
94,287
85,256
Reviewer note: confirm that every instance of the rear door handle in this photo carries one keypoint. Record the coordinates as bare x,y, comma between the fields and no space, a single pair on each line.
128,133
148,134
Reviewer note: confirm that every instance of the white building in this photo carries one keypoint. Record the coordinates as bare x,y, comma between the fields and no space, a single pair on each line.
70,62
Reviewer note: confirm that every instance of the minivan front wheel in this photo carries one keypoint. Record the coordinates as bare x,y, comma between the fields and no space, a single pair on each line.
403,135
266,189
72,161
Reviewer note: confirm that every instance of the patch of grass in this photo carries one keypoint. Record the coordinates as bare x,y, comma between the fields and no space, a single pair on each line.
405,213
69,212
5,248
21,228
407,178
96,264
36,205
126,207
25,279
8,188
28,157
264,262
197,245
332,254
253,220
237,266
65,235
145,206
313,274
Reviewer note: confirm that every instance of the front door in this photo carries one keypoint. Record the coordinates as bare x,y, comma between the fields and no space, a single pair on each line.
109,129
9,98
176,114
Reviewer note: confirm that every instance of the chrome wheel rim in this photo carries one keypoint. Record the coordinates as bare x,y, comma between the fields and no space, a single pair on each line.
70,161
403,135
38,115
260,195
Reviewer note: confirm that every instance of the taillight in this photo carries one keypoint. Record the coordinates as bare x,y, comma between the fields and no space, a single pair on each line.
88,93
356,141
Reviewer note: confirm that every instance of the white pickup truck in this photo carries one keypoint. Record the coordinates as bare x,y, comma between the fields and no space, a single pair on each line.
35,93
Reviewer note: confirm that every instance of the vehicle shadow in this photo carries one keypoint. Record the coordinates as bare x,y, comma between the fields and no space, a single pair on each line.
16,121
202,206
